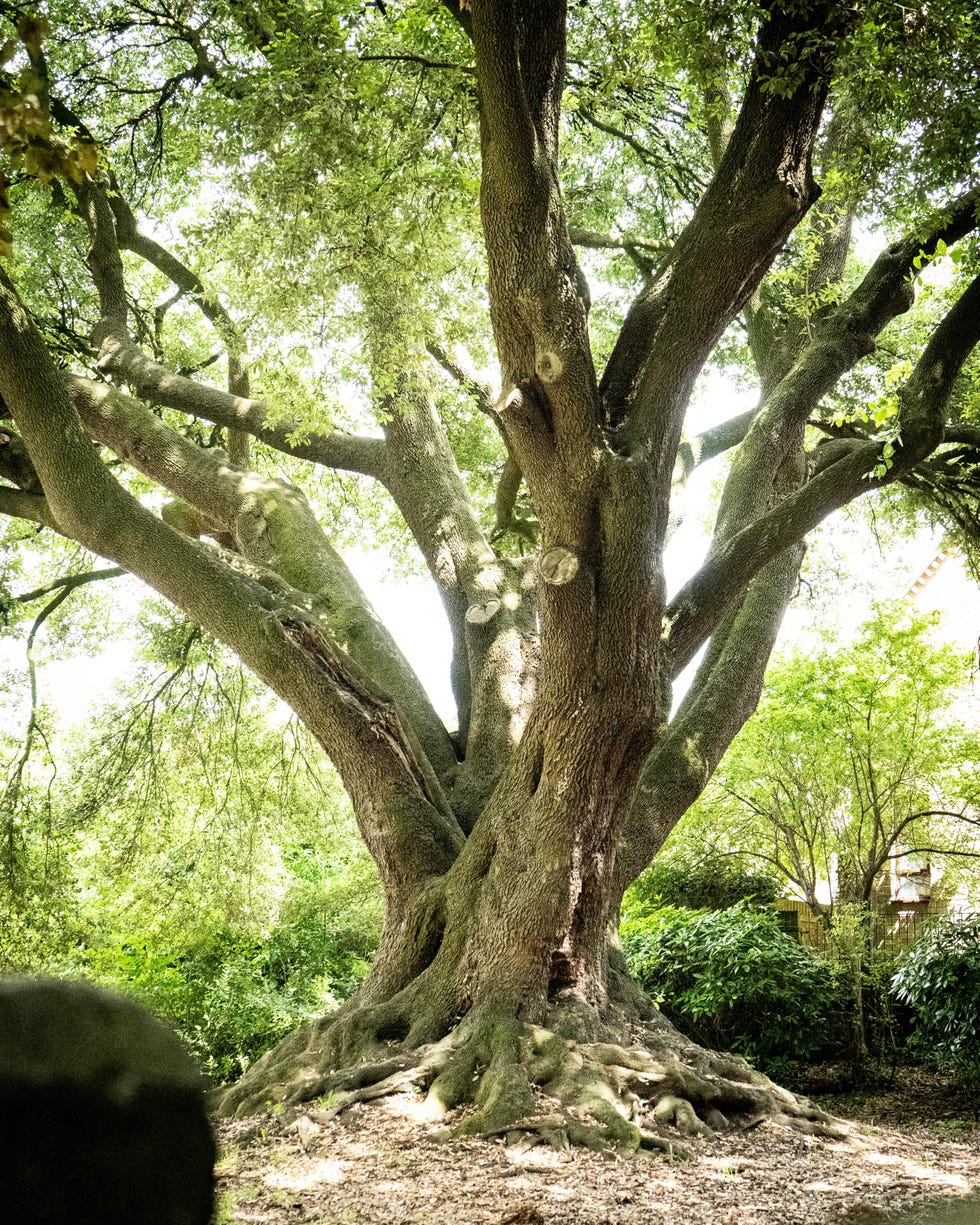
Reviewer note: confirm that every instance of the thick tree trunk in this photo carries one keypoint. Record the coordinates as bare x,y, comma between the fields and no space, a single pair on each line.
497,992
495,987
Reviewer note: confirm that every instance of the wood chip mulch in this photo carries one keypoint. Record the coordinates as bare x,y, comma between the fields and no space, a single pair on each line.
382,1164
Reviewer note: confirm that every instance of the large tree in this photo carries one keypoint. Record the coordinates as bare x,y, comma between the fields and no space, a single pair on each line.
333,153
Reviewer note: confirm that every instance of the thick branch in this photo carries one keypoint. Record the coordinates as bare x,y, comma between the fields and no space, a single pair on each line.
489,672
538,299
157,384
715,441
273,526
91,507
85,500
842,338
762,188
520,59
698,607
31,506
723,694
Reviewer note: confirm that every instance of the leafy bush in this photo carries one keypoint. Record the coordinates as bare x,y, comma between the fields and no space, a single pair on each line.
732,979
940,981
713,882
231,995
215,995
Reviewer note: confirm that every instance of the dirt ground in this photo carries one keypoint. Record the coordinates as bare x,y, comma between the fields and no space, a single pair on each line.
912,1147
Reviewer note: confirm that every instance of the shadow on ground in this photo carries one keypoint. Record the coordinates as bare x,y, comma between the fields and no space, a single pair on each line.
963,1212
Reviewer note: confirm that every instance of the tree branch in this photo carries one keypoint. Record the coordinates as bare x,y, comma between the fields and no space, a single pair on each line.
153,382
490,610
131,238
70,581
91,507
538,298
455,364
715,441
644,254
10,798
420,61
31,506
842,338
274,527
121,356
762,188
698,606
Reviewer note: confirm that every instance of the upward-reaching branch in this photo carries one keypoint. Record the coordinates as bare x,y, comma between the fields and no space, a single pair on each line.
538,300
841,338
858,468
131,238
762,188
491,615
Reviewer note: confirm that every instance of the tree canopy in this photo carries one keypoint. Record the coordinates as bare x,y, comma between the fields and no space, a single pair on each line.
275,268
856,759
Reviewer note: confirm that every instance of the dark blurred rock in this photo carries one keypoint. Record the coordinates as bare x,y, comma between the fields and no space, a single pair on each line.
102,1117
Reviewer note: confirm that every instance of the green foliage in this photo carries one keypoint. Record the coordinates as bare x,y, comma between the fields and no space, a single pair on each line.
733,980
856,752
711,882
230,992
940,981
231,995
192,851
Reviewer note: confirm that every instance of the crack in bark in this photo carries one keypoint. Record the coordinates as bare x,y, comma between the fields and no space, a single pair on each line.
380,714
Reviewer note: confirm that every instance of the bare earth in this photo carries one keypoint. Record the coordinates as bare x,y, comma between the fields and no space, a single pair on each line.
382,1163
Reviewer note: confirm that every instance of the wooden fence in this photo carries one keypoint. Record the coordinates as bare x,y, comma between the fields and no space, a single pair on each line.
893,929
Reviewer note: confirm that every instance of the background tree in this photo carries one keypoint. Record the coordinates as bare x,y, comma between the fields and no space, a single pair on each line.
340,151
858,758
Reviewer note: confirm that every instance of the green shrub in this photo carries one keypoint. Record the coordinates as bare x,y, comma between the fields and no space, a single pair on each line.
713,882
231,995
939,980
214,995
732,979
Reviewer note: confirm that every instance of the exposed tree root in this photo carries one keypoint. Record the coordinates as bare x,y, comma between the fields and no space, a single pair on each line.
531,1085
